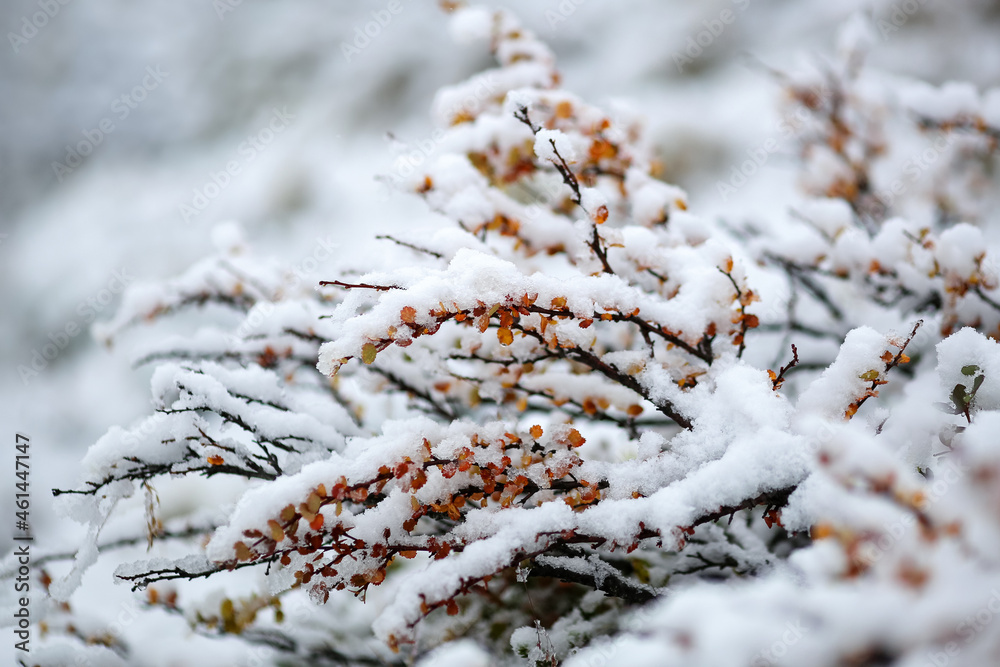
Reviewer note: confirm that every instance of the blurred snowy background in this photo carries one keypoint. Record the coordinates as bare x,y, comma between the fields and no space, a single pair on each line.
164,94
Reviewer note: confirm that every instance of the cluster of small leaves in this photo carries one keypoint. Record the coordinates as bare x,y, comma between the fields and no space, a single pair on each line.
505,471
877,377
521,351
846,151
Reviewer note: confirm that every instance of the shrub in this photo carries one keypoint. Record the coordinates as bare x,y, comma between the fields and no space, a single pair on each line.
571,415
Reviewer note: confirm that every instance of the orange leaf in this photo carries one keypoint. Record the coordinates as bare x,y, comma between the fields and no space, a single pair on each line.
536,431
601,215
216,460
242,552
408,314
505,336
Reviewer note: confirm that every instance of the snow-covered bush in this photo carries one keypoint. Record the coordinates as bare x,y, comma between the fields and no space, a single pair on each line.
583,424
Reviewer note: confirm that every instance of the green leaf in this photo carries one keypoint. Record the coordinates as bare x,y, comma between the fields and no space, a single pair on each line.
977,383
869,376
958,397
368,353
970,370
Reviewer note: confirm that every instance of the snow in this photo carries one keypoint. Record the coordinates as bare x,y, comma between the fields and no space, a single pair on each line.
552,144
228,238
959,250
954,99
64,653
460,653
830,216
851,229
967,348
470,24
843,382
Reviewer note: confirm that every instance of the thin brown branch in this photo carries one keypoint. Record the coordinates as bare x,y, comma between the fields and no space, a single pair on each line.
338,283
778,379
432,253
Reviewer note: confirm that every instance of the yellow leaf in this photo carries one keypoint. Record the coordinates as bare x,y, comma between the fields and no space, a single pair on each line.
277,533
313,502
368,353
227,611
504,335
821,531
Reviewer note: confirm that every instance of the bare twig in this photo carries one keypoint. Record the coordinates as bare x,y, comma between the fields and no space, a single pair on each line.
387,237
379,288
778,379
